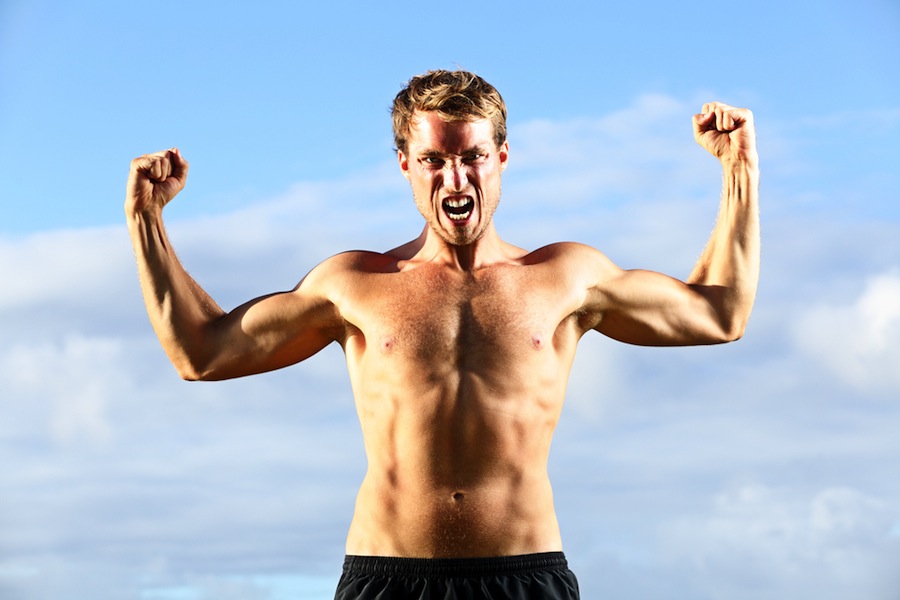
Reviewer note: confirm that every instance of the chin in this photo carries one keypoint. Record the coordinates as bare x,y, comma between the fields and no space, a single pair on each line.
467,240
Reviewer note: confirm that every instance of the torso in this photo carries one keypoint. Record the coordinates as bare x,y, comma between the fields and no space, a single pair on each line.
459,379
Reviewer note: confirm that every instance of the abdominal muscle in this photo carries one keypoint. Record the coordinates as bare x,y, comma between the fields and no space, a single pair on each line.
496,518
455,471
458,387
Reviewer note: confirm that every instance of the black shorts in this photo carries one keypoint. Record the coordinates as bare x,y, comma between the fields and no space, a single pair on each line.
544,576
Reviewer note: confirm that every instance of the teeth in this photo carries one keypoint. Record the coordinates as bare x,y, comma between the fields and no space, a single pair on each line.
458,209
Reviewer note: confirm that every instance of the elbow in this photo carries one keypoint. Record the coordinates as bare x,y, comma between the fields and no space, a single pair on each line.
191,370
732,331
721,330
726,313
732,336
730,322
188,373
192,360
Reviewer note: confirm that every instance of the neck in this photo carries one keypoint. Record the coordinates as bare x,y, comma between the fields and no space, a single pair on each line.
487,250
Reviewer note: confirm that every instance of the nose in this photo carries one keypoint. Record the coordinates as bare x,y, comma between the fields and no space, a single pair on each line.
455,176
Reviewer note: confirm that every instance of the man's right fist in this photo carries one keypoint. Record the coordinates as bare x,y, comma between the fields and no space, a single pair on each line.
154,180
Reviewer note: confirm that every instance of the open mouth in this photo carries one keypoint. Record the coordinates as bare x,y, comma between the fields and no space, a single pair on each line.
458,209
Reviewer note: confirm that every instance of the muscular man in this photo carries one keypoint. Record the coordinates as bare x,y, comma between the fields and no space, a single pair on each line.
458,343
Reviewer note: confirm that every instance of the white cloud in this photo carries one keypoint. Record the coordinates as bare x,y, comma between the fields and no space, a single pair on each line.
859,340
121,473
645,152
80,375
779,543
269,587
75,266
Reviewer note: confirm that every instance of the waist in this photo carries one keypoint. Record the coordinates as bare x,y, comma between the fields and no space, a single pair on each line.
455,567
499,518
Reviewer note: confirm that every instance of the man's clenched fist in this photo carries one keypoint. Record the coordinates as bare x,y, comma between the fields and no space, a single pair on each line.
154,180
727,132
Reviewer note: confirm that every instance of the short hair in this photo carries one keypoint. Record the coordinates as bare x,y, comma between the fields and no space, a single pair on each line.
455,96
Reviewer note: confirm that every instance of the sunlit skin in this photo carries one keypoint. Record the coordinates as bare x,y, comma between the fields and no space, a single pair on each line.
458,344
454,168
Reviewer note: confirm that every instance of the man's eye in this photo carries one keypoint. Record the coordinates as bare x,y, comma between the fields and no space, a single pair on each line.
473,158
433,161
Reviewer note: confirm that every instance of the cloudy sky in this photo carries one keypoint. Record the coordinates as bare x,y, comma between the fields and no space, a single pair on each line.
762,469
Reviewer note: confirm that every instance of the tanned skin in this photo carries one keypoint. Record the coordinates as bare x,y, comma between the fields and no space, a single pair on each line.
458,344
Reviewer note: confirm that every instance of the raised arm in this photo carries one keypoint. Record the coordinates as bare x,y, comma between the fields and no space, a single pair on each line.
727,271
202,340
713,305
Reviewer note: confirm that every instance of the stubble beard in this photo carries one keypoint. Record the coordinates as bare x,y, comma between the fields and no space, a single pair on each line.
433,214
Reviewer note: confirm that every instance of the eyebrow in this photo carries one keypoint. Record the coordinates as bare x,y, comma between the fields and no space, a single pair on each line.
473,150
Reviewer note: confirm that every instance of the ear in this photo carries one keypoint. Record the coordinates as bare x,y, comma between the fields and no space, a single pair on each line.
503,155
403,160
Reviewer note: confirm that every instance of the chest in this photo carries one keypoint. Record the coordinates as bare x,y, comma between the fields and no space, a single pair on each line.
502,314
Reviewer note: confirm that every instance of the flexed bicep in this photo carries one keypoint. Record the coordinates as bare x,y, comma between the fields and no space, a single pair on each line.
714,304
271,332
651,309
202,340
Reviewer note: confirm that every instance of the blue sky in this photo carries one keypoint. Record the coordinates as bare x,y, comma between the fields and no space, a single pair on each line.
767,468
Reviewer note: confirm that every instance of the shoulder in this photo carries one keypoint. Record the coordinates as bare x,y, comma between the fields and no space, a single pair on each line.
574,259
563,251
343,270
354,262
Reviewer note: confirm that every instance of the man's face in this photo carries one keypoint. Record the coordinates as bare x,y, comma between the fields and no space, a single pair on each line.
454,169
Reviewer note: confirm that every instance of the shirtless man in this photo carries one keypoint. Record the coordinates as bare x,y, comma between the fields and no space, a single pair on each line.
458,344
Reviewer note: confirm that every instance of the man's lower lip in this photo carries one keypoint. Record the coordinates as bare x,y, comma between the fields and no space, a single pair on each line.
459,222
459,219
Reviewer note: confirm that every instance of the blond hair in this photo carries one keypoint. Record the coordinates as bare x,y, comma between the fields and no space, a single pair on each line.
455,96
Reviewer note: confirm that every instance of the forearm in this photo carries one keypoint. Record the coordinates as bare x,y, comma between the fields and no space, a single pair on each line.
727,271
179,310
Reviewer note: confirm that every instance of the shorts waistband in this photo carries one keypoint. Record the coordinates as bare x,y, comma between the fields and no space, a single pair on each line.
455,567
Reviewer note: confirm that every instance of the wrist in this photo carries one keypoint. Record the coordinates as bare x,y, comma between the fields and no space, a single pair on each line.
748,164
136,217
